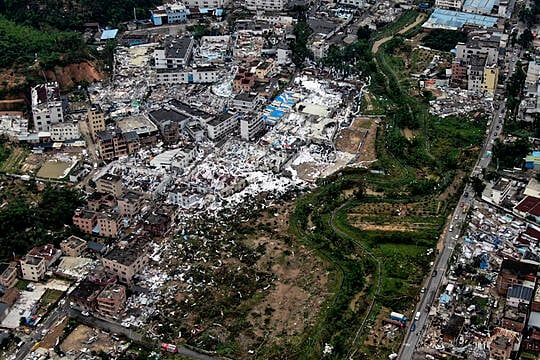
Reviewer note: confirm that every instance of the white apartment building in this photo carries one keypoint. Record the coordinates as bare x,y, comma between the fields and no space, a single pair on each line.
250,126
203,75
169,14
212,4
46,106
449,4
65,132
265,5
355,3
221,125
174,54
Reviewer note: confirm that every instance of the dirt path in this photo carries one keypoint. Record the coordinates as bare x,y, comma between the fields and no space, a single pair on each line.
378,43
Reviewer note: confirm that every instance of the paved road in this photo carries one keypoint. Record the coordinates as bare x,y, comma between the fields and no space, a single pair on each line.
411,340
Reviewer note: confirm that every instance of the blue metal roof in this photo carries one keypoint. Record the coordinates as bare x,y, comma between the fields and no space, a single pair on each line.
109,34
479,5
453,20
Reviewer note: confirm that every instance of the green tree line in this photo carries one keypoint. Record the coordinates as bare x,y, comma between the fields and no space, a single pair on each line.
23,44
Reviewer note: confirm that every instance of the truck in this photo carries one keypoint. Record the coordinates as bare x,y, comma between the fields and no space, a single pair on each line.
397,316
417,316
169,348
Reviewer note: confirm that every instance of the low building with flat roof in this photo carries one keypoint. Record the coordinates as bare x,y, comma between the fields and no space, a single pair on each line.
456,20
73,246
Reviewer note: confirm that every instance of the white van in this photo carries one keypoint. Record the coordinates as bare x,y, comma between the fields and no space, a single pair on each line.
417,316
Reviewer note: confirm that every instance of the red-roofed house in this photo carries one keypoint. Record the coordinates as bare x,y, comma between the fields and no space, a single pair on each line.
529,206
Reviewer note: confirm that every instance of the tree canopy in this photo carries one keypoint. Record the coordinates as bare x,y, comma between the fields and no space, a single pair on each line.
24,223
444,40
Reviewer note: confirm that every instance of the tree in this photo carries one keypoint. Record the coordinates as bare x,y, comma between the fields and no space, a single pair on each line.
364,33
477,185
526,38
298,46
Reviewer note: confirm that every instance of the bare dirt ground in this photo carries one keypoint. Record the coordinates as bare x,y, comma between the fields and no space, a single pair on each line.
69,75
54,333
294,300
32,163
80,337
349,139
367,153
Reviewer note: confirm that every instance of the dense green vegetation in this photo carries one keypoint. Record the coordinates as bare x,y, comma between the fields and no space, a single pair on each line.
23,44
300,51
72,14
510,154
416,190
444,40
30,218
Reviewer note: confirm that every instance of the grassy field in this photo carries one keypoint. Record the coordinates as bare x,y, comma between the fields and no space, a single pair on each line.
53,169
13,163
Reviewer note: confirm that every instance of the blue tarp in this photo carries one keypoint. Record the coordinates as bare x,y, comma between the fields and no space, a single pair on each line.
445,298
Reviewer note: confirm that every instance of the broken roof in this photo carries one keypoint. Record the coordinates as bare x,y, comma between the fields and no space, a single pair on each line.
178,48
128,255
163,115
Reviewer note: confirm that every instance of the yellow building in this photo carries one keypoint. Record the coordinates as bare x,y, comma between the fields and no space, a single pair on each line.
489,82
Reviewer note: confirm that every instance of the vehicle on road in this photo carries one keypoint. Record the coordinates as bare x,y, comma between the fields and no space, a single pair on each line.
85,313
434,273
417,316
413,327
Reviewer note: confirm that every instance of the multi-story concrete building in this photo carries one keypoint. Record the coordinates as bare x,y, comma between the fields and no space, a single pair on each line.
8,277
46,106
129,204
221,125
475,73
33,268
212,4
111,300
73,246
243,81
502,342
126,262
200,75
170,13
283,54
113,144
490,80
65,132
354,3
47,252
250,126
265,5
110,184
246,102
96,121
108,224
176,53
449,4
85,220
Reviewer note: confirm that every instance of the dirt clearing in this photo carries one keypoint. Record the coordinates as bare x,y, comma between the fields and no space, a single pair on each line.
54,169
87,337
